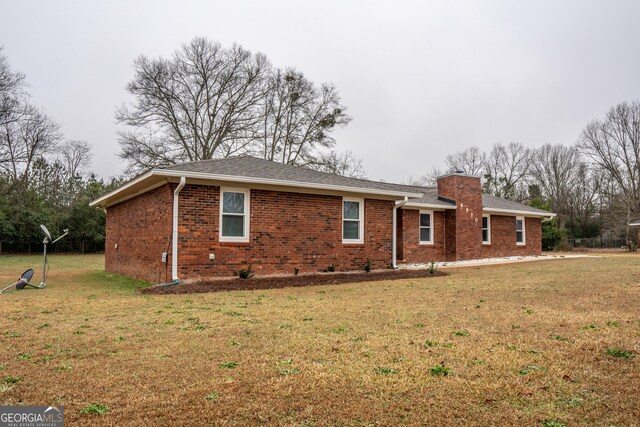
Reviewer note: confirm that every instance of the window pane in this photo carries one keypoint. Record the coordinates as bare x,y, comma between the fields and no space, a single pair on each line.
425,234
518,224
425,220
485,235
351,230
485,222
351,210
233,202
519,237
232,225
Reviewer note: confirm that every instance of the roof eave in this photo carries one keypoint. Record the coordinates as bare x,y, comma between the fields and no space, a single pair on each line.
142,177
518,212
428,206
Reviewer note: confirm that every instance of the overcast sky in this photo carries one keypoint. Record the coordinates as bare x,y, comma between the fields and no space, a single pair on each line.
421,79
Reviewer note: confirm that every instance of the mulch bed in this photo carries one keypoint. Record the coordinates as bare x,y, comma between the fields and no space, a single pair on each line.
257,283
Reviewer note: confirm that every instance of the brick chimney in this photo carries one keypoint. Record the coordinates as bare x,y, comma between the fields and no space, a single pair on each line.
463,235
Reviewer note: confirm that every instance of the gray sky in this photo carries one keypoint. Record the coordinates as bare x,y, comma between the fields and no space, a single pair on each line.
421,79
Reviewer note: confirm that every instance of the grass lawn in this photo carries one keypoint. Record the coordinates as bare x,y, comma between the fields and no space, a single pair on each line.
542,343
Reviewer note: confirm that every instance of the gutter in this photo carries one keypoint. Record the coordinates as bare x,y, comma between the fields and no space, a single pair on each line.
394,231
174,238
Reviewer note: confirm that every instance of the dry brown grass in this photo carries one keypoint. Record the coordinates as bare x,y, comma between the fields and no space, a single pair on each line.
349,355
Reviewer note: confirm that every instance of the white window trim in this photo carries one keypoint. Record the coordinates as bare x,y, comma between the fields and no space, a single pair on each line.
430,241
360,219
487,242
247,214
524,233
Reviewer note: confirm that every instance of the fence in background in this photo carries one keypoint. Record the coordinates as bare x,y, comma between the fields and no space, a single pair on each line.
597,242
63,246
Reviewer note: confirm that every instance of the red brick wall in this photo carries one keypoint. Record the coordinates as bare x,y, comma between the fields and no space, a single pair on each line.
292,230
503,237
467,193
412,250
287,231
141,227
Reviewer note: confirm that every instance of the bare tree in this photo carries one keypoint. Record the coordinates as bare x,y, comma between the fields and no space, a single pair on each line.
208,101
613,145
76,157
429,179
298,118
505,171
343,163
201,103
471,161
566,181
11,90
23,140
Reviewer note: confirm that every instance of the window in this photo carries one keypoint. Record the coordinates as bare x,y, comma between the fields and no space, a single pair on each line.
486,229
520,237
352,220
234,215
426,227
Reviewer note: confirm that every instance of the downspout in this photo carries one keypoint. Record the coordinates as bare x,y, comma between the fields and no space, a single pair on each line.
394,232
174,238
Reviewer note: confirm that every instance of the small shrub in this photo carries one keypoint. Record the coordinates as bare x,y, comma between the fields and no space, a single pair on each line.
95,409
440,371
284,362
24,356
429,343
558,338
616,352
246,273
296,271
460,333
432,267
287,371
11,380
590,328
64,368
386,371
234,343
357,339
531,368
614,324
212,396
120,339
563,247
228,365
552,423
232,313
367,266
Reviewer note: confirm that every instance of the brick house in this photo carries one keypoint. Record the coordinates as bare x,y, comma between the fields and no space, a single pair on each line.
220,216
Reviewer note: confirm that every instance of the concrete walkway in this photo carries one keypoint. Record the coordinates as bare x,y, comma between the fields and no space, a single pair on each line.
492,261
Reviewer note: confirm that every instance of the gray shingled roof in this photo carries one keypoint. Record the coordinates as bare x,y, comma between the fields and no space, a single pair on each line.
488,201
493,202
253,167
